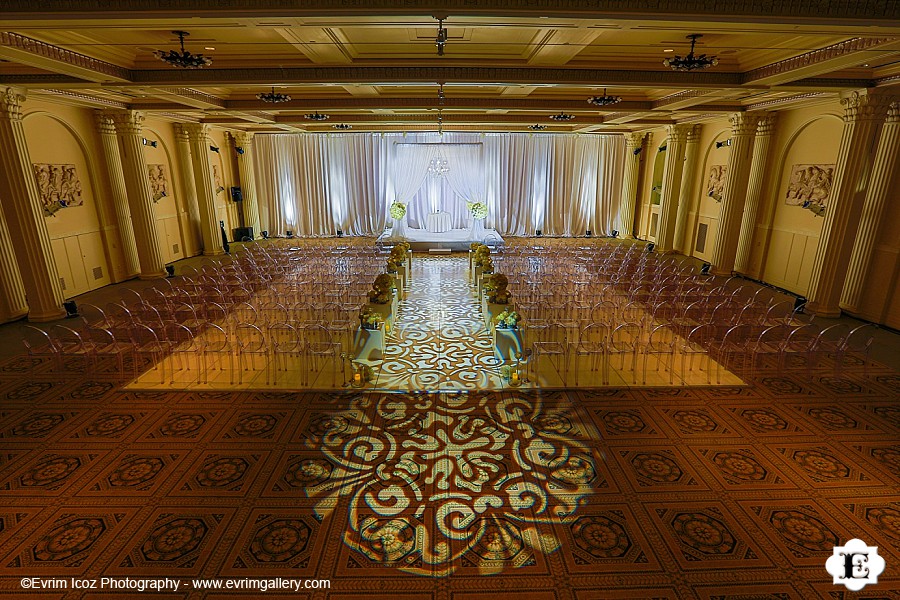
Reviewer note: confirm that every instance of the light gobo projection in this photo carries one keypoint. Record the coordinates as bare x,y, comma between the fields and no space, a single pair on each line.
433,478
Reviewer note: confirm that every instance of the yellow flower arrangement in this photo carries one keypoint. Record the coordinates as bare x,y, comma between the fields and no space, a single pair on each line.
382,287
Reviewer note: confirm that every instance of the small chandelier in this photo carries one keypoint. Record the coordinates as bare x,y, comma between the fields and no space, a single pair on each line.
562,117
183,59
441,38
315,116
342,126
604,100
273,97
691,62
537,127
438,167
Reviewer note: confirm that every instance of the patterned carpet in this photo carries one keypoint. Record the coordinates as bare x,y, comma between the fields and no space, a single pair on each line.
693,493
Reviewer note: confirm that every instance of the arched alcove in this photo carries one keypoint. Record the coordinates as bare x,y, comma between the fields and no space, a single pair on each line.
659,167
67,180
712,175
161,174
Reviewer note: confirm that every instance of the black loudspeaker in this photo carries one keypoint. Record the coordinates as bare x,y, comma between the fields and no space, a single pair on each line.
799,303
243,234
237,195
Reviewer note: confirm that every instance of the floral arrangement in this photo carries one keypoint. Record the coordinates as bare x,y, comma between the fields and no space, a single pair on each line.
507,319
478,209
487,265
398,257
474,246
482,254
816,208
495,289
381,292
398,210
369,319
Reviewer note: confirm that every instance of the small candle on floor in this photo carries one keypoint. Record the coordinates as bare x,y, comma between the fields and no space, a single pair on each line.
514,377
357,377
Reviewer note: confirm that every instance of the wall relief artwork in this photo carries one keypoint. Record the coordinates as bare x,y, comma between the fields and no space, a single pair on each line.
217,179
58,186
159,181
810,185
716,186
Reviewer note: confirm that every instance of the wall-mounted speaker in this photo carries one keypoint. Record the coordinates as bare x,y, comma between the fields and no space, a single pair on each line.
237,195
243,234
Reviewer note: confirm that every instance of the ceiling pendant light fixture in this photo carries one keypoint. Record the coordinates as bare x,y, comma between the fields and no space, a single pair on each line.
273,97
604,100
342,126
537,127
315,116
441,38
562,117
183,59
691,62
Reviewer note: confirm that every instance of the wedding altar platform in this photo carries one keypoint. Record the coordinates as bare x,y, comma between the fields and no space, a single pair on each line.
455,240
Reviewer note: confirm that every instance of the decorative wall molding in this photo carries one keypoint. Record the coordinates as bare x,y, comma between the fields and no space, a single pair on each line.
55,53
790,99
84,98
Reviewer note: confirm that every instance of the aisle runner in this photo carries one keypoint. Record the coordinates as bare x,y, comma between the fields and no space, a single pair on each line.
440,342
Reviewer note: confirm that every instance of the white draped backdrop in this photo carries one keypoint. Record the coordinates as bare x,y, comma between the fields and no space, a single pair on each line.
562,184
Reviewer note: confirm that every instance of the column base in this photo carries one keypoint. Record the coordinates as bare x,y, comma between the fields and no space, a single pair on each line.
720,272
148,276
14,316
49,315
822,311
218,252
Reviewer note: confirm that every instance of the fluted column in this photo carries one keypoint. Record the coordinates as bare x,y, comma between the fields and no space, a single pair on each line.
194,235
25,214
244,141
877,195
113,163
863,113
203,182
743,128
765,127
630,183
686,194
671,186
129,130
12,292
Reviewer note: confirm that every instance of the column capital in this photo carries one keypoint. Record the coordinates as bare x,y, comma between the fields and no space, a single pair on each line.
693,134
743,124
11,100
197,131
634,139
865,105
243,139
105,123
127,122
893,114
181,134
766,124
677,133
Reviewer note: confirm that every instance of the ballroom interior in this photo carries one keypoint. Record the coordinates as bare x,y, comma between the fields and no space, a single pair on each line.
689,392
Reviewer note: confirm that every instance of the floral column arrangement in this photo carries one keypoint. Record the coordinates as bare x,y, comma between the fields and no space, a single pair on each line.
382,299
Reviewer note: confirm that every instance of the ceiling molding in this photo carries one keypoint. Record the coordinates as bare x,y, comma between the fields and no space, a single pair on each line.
749,11
35,53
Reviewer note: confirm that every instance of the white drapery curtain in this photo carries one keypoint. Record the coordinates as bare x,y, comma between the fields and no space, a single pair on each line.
563,184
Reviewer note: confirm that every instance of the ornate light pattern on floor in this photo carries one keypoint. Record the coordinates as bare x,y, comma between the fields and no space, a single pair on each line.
435,477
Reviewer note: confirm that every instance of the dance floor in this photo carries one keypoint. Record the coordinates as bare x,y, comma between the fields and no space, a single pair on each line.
439,342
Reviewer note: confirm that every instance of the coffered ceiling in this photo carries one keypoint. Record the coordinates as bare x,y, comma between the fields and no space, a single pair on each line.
374,65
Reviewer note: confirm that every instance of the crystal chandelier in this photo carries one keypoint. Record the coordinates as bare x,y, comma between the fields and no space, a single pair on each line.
273,97
438,167
691,62
183,59
342,126
441,38
315,116
562,117
537,127
604,100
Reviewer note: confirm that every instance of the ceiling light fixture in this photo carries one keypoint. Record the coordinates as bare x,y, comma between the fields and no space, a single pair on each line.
691,62
441,38
604,100
273,97
441,109
183,59
537,127
315,116
562,117
342,126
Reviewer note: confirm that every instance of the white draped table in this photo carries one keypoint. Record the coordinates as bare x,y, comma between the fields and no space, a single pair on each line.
438,222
